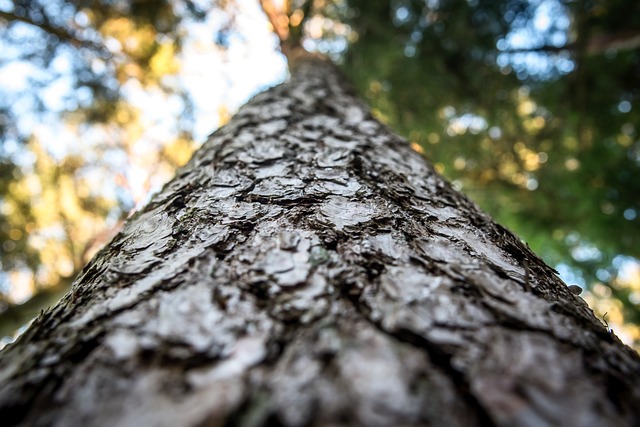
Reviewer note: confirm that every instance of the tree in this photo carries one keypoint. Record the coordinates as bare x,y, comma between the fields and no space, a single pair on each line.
527,105
307,267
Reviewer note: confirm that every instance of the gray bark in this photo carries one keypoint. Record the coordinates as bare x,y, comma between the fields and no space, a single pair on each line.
308,268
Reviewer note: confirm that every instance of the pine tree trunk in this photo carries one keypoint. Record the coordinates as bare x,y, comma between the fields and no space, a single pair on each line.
308,268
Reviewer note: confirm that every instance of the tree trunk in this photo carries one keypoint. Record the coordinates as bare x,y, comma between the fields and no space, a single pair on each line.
308,268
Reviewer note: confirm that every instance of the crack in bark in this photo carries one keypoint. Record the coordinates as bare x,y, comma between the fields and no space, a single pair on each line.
440,358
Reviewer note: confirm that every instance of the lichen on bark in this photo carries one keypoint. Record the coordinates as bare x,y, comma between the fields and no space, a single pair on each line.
307,267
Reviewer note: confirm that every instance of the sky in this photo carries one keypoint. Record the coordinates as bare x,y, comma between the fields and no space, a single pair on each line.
230,77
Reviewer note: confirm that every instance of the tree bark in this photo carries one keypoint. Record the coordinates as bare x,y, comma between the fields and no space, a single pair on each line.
308,268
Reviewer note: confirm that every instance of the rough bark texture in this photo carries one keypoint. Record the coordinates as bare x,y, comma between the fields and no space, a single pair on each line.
308,268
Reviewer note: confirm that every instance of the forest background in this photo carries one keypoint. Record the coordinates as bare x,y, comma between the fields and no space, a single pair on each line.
530,107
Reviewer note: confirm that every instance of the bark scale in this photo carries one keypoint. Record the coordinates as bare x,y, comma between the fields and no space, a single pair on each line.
308,268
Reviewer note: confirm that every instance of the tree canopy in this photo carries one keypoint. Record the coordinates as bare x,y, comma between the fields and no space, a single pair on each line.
528,106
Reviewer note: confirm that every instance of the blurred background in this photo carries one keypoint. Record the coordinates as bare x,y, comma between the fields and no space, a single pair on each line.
530,107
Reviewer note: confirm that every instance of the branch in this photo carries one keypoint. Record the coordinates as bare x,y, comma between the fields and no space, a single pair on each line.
595,45
543,49
61,33
622,41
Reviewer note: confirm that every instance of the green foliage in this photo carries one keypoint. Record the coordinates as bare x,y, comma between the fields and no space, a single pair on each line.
542,133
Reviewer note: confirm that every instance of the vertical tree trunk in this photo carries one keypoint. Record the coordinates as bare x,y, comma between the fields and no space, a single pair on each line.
308,268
